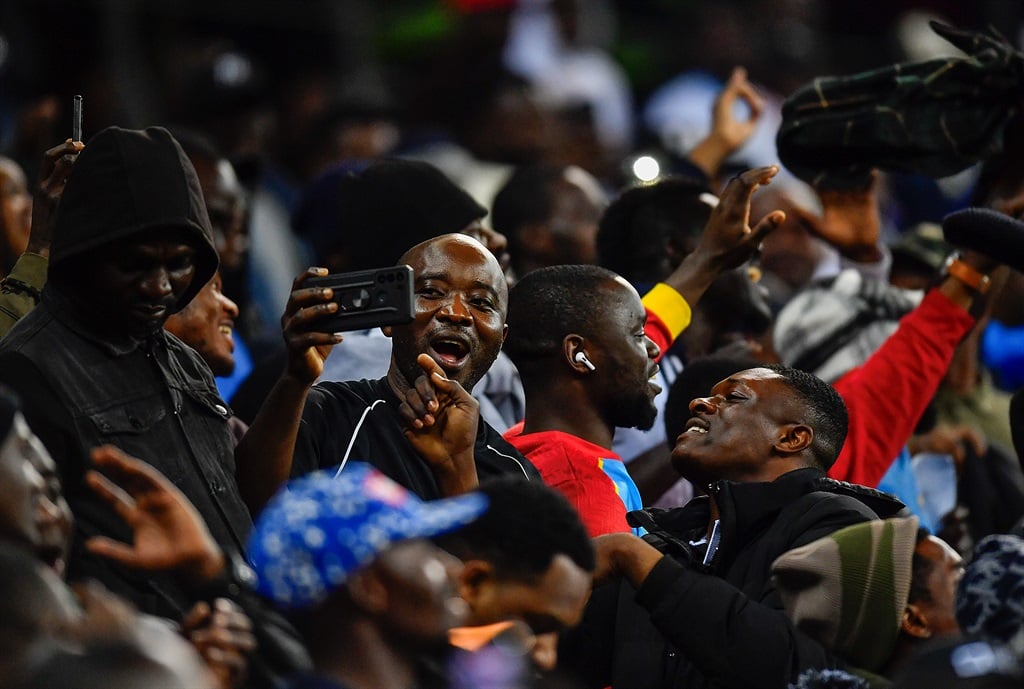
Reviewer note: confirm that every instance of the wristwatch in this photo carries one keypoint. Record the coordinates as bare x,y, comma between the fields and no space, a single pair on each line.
966,273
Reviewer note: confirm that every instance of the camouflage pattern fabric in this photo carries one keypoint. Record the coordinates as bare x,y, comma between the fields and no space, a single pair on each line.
935,117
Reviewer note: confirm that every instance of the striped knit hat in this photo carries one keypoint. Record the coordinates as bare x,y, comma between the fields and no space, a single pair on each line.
848,590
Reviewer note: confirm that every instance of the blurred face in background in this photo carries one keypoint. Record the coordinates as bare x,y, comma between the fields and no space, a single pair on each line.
15,210
207,325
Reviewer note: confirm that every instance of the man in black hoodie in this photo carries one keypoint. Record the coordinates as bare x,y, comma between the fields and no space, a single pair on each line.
93,364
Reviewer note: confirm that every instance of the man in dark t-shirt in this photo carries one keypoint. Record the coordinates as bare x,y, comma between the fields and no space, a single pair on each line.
374,431
418,424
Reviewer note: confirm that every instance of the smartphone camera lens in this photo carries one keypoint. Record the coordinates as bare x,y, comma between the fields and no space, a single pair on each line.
355,300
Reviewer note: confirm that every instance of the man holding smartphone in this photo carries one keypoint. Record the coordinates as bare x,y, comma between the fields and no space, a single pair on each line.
418,424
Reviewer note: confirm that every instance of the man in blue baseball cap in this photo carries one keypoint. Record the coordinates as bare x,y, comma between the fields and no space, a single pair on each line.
347,554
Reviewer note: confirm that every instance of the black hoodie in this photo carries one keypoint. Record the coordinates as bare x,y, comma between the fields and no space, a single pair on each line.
127,182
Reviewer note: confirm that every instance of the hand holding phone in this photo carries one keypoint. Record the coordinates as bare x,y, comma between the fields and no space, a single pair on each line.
367,298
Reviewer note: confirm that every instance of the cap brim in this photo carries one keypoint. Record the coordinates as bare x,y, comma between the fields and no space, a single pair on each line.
437,517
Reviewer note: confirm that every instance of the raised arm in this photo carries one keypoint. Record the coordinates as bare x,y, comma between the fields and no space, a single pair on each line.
20,290
169,535
263,459
898,381
728,241
850,221
728,133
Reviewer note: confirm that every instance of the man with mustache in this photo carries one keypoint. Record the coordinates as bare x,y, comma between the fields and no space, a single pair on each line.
586,363
697,606
419,425
586,344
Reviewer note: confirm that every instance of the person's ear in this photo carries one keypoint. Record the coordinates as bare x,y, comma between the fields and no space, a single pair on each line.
386,329
794,438
915,623
504,332
474,580
575,353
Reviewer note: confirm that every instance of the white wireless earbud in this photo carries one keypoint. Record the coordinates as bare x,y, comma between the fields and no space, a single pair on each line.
581,358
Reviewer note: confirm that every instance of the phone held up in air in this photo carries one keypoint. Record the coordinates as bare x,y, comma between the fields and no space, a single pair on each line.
367,298
76,119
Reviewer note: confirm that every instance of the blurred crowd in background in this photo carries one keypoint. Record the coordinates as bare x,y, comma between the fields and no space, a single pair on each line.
583,132
288,90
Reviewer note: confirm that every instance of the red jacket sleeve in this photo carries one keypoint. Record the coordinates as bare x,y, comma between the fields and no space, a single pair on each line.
887,395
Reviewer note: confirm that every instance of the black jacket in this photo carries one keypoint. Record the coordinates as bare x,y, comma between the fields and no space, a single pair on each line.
81,386
719,624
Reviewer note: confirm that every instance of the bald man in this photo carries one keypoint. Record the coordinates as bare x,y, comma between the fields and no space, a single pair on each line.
418,424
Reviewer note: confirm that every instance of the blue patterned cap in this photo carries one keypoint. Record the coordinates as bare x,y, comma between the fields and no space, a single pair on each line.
990,597
319,529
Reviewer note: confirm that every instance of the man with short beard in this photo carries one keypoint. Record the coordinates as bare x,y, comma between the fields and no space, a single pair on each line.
586,365
419,424
586,347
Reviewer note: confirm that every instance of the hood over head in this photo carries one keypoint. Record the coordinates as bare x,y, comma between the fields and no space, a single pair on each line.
130,182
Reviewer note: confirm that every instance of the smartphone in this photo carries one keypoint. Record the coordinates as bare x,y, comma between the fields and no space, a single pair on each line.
76,119
367,298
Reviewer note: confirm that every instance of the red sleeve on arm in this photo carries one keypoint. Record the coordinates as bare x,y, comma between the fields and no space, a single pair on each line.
658,331
887,395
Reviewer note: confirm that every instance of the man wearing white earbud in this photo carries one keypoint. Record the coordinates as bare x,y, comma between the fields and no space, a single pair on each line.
586,346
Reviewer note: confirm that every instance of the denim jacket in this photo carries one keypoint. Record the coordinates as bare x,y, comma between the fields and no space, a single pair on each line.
155,399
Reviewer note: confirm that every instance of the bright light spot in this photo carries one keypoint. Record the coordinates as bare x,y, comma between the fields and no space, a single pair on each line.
646,168
232,69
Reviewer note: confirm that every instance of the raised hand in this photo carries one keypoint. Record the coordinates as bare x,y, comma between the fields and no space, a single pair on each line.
728,133
728,240
169,534
441,421
307,348
53,175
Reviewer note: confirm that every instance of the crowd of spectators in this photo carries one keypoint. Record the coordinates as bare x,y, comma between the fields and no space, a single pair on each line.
713,375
